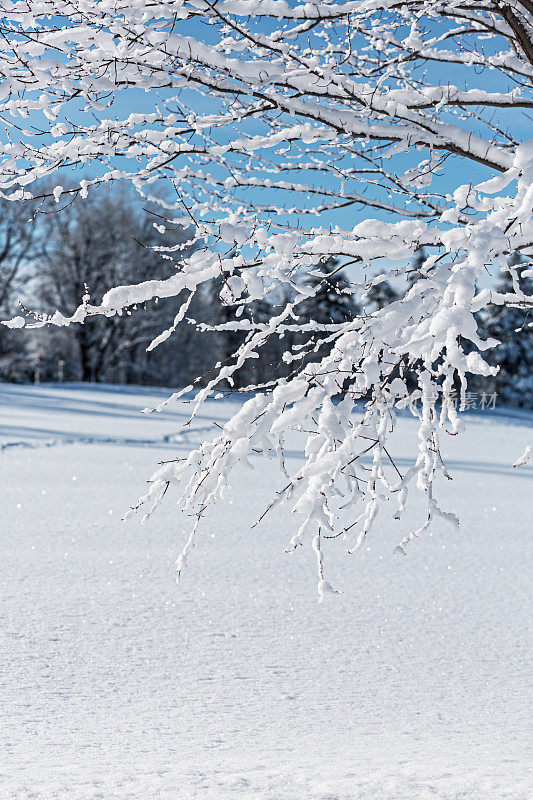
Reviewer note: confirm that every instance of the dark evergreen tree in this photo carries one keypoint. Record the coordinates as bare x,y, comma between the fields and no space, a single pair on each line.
220,310
269,366
416,273
381,295
332,303
514,381
416,270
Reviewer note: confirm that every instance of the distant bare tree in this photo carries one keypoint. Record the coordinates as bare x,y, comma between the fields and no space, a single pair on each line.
106,241
18,244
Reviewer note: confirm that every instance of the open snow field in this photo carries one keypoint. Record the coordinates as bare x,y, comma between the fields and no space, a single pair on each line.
115,683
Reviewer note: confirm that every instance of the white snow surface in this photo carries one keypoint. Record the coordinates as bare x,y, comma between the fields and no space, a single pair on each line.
117,683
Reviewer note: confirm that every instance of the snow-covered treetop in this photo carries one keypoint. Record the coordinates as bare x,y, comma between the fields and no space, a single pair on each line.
274,125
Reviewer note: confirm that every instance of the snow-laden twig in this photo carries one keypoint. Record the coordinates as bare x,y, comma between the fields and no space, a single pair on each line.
289,112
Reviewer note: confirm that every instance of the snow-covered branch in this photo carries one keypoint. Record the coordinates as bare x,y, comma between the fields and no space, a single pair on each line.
258,116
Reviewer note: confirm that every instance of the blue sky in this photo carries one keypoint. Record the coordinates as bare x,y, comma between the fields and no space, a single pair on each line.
456,172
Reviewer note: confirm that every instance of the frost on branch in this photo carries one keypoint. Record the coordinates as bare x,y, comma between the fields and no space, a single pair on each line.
291,134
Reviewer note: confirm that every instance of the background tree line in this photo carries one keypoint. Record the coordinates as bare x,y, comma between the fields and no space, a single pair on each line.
49,262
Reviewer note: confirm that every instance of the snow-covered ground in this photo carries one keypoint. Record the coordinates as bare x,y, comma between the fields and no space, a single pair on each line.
116,683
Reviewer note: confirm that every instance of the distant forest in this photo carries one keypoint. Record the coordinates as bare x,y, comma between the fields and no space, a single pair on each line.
52,261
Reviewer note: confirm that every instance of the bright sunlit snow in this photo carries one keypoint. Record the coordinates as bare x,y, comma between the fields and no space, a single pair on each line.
117,683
